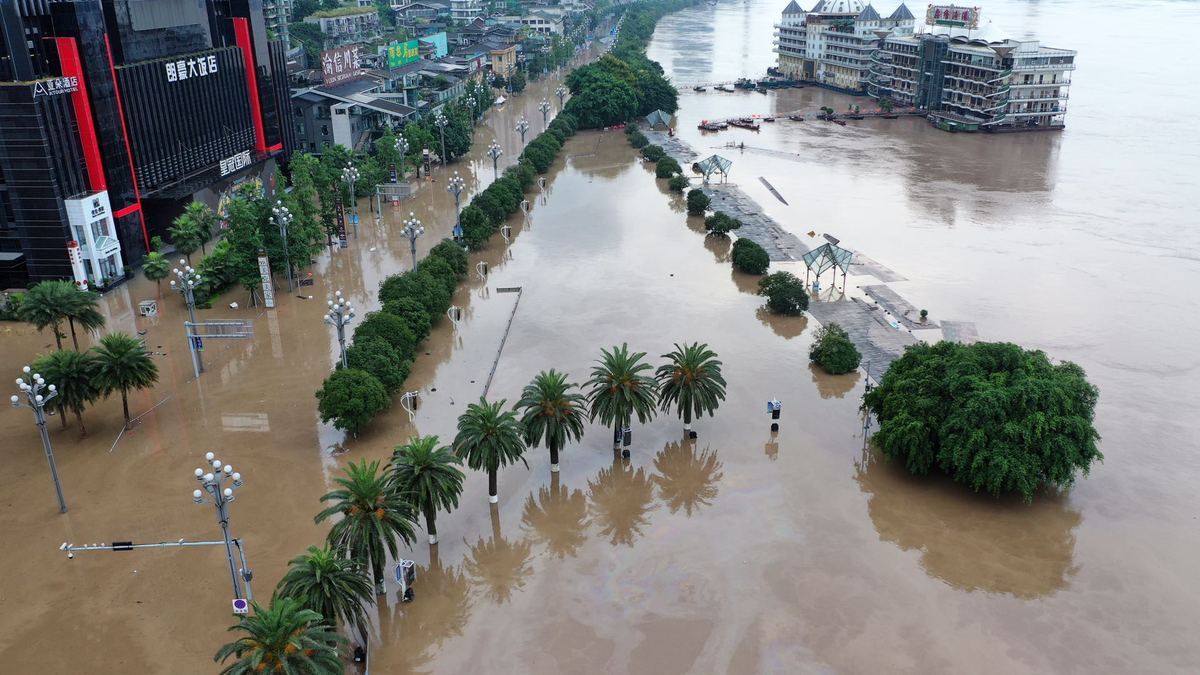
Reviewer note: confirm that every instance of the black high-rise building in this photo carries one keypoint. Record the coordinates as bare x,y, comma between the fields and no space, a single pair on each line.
114,114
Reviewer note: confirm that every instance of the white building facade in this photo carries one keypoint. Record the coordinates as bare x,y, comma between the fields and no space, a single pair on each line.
465,11
832,43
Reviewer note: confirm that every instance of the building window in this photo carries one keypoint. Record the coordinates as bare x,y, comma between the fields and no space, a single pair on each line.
324,129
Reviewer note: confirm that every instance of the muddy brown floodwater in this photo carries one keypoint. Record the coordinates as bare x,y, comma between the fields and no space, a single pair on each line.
742,551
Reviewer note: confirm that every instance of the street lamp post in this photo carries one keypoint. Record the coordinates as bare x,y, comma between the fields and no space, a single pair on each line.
340,313
522,127
402,148
282,217
470,103
212,484
441,123
545,106
561,93
37,403
412,230
188,280
494,151
350,175
455,187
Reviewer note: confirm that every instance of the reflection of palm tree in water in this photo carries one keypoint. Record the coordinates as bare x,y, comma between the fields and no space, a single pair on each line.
498,564
972,541
620,498
442,609
557,518
686,480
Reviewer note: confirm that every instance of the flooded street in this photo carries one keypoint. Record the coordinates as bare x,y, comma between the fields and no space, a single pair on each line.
742,551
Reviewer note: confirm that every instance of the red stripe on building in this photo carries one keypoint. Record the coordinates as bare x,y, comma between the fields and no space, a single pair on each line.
68,57
128,151
275,148
241,28
128,210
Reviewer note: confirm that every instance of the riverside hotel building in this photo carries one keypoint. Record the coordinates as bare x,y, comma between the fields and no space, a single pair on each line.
115,114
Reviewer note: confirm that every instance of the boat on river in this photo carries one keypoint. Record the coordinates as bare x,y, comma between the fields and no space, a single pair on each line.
744,123
699,89
796,118
721,87
708,126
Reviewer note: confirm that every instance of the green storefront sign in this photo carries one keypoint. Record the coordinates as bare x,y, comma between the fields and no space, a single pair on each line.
401,53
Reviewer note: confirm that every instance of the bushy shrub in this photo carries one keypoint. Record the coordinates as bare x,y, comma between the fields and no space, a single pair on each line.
636,138
784,292
653,153
476,228
667,167
413,314
391,329
441,271
833,350
450,251
697,202
374,355
749,257
677,183
721,223
351,398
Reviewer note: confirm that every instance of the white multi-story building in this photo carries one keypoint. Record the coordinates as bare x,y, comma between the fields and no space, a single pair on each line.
347,25
832,43
465,11
969,75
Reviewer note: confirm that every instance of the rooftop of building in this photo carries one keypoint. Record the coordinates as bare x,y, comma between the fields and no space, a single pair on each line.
341,11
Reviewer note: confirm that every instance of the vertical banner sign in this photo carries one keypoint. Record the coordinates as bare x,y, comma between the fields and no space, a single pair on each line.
264,269
341,223
393,174
76,257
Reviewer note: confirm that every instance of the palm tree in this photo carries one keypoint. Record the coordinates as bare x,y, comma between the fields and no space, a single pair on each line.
192,228
45,305
83,308
553,413
428,474
489,437
331,586
283,638
122,363
156,267
74,376
691,382
374,515
619,390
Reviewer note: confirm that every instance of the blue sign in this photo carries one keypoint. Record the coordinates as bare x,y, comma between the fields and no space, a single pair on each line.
342,243
353,218
199,346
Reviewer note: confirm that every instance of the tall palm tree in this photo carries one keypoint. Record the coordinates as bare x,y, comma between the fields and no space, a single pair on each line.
122,363
619,390
428,474
45,306
192,228
331,586
83,309
553,413
489,437
374,515
691,382
283,638
156,267
74,376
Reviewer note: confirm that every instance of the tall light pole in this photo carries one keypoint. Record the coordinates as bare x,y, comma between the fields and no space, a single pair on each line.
441,123
545,107
494,151
340,313
37,401
350,175
561,93
188,280
212,485
470,103
522,127
455,187
412,230
282,217
402,148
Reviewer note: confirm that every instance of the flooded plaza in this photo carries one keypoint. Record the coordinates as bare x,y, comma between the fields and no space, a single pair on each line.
742,551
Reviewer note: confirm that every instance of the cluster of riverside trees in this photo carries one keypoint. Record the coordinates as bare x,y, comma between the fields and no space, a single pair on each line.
117,363
376,508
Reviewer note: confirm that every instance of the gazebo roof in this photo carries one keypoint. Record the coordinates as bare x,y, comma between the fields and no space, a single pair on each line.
713,164
827,256
659,117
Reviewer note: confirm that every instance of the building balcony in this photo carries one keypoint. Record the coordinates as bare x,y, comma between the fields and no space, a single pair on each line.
969,64
1063,67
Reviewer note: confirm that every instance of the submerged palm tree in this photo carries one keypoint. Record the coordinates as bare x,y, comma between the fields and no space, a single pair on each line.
690,382
428,474
619,390
283,638
489,437
122,363
74,376
374,515
686,480
83,309
46,304
553,413
332,586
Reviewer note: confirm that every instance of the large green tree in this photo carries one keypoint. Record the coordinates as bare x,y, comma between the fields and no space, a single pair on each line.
552,412
375,516
330,585
282,638
428,474
620,389
74,376
123,363
488,438
351,398
993,416
833,350
691,382
785,294
46,305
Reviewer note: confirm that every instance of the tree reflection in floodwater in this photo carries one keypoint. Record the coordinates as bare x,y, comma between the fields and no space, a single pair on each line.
972,541
786,327
720,245
620,497
833,386
441,609
746,283
686,480
499,565
557,518
772,446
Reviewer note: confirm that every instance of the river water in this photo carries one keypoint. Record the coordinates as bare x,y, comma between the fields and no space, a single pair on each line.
743,551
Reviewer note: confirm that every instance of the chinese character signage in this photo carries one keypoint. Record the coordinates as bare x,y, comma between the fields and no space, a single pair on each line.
341,226
950,15
235,163
56,86
340,65
401,53
191,67
268,287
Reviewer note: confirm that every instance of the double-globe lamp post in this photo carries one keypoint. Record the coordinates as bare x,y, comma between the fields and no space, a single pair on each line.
188,280
282,217
212,484
470,103
455,187
494,151
561,93
441,123
339,315
522,127
412,230
545,107
402,148
350,175
38,394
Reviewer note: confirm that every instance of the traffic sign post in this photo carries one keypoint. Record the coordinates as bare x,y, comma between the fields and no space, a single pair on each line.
241,606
